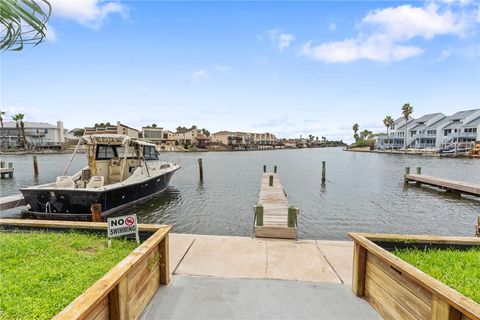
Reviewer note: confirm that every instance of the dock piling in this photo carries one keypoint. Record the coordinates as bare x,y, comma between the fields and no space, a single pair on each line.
407,171
292,216
275,169
477,232
10,166
96,209
270,181
323,172
264,168
419,170
259,215
200,168
35,165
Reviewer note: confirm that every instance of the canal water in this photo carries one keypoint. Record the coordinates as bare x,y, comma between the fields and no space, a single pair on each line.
364,192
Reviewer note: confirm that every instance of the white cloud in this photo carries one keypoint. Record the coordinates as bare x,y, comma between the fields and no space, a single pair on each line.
281,40
90,13
198,76
383,33
51,34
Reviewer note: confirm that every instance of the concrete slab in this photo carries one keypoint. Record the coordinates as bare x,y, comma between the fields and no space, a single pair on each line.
215,298
340,256
221,256
179,245
298,261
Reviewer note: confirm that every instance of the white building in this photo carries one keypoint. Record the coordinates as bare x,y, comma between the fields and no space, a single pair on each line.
38,134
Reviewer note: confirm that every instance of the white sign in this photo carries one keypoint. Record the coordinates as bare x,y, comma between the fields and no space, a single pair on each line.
122,226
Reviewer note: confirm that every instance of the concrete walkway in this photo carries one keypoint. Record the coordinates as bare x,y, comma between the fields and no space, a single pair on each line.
219,298
241,257
219,277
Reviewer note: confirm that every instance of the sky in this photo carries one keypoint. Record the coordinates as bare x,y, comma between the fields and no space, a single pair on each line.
290,68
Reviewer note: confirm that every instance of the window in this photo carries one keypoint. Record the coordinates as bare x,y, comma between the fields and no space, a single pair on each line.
446,132
431,132
149,153
413,133
106,152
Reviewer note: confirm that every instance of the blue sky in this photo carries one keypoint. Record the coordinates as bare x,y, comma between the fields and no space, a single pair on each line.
285,67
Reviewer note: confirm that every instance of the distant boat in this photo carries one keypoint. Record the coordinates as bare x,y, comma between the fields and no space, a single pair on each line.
121,171
452,149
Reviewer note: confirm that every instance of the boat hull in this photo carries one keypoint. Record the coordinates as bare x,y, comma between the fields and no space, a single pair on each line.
74,204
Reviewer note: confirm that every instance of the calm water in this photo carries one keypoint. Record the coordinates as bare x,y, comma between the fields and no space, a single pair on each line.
364,192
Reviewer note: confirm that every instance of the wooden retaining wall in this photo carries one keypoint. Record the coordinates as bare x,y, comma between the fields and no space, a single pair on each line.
398,290
125,291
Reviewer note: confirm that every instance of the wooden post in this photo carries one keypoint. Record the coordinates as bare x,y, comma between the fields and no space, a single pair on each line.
359,270
35,165
10,166
477,233
118,301
264,168
275,169
270,181
441,310
96,209
323,172
259,214
200,168
419,170
292,216
164,261
2,165
407,171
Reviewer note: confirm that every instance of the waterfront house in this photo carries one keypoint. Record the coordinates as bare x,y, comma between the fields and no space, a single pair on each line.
463,126
188,137
112,129
423,131
244,139
397,133
154,135
37,134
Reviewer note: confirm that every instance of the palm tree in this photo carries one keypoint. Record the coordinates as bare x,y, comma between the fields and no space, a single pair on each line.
2,113
16,119
407,110
388,122
365,134
355,128
23,22
154,125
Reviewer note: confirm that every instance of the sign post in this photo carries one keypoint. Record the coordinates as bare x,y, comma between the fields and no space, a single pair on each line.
122,226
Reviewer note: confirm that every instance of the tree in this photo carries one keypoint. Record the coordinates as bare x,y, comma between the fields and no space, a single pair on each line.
79,132
206,132
365,134
407,110
154,125
2,113
355,129
324,138
388,122
18,118
23,22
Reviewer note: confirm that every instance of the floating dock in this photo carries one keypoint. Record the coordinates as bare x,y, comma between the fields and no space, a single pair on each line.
10,202
445,184
274,218
6,172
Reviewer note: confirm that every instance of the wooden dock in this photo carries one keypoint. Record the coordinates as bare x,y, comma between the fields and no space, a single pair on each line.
273,216
10,202
6,172
445,184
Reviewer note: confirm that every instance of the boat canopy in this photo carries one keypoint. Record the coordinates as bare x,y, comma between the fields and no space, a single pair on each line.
114,139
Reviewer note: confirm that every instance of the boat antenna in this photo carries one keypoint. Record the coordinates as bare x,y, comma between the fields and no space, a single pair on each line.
73,154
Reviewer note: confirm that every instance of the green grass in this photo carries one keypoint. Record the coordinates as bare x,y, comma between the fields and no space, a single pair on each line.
41,273
458,269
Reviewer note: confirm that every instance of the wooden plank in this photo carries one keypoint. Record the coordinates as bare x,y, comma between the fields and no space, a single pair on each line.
441,310
273,231
138,303
381,301
100,310
462,186
164,260
463,304
400,294
10,202
402,279
359,267
136,281
417,238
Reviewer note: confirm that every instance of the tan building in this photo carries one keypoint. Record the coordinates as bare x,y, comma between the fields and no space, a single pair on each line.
187,137
113,129
154,135
243,138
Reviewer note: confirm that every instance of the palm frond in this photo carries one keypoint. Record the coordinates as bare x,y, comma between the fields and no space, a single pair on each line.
23,22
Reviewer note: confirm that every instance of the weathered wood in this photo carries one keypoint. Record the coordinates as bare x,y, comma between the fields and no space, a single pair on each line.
35,165
445,184
164,258
10,202
466,306
441,310
359,267
96,210
408,300
274,204
200,168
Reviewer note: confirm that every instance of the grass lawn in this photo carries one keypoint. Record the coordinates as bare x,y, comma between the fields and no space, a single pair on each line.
458,269
41,273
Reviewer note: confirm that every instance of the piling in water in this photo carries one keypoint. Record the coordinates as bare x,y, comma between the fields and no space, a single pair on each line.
275,169
419,170
10,173
264,168
200,168
323,172
270,181
292,216
35,165
259,215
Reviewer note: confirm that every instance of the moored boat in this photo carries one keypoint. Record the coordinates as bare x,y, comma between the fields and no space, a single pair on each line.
121,172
